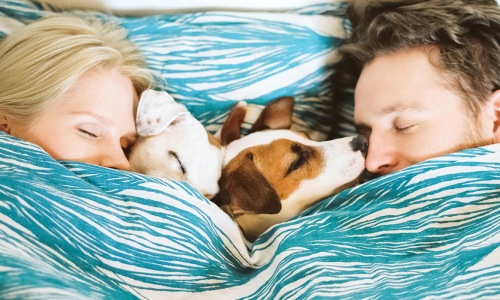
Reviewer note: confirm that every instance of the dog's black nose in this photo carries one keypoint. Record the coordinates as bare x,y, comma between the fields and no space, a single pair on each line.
360,143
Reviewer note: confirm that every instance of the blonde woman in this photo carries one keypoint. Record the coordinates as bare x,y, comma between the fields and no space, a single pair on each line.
71,85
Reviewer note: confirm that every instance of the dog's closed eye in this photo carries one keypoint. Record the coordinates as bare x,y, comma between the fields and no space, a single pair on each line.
176,157
302,156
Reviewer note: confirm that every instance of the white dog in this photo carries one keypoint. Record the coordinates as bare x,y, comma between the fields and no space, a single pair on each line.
172,144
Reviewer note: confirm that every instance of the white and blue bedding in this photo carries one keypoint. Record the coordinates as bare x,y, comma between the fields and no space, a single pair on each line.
76,231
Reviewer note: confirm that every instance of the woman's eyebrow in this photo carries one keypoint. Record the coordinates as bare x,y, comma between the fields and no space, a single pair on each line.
97,117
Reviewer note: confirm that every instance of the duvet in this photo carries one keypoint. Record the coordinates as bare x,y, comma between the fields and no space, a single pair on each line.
76,231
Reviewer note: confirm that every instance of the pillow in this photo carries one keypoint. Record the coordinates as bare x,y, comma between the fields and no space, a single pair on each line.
211,60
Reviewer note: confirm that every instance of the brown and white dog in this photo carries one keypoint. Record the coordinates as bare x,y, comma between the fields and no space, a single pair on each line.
260,179
270,176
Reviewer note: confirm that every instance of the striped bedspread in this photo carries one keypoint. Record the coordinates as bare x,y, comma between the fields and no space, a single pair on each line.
75,231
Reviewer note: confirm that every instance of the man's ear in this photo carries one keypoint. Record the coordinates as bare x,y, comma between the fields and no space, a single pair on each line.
495,102
4,123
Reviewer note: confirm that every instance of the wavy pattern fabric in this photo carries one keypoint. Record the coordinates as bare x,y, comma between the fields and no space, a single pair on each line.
75,231
211,60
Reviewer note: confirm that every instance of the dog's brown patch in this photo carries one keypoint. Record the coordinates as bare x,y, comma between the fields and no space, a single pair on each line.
286,164
277,168
214,141
245,190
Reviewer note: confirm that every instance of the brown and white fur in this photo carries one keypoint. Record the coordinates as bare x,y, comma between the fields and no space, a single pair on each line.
270,176
174,145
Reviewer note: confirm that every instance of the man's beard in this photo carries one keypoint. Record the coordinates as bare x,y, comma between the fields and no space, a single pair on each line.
474,137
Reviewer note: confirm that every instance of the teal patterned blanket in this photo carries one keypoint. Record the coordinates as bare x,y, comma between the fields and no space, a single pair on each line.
76,231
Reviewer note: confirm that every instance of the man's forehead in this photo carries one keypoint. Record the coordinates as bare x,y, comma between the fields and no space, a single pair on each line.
398,82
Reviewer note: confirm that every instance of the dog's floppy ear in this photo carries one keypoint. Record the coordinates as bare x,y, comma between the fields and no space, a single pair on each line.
156,111
246,190
276,115
232,125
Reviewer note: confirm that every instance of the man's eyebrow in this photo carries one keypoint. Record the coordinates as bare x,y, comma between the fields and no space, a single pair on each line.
396,108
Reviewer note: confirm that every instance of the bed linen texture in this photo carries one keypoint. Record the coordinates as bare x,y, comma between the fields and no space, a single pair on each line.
76,231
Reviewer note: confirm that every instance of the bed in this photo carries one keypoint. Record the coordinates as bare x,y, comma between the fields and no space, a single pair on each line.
76,231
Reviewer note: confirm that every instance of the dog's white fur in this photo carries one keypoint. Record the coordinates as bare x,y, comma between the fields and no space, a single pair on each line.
172,144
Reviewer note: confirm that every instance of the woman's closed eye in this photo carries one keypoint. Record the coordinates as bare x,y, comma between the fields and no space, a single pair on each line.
90,130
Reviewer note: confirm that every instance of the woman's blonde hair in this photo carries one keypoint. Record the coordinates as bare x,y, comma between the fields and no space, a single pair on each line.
41,61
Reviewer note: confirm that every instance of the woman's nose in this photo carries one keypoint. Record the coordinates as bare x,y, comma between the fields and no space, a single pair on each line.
115,158
382,156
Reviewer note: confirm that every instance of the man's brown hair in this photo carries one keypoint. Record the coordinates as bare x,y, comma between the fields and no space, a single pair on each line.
462,38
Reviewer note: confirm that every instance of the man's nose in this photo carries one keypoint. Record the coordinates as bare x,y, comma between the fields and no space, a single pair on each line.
115,158
382,157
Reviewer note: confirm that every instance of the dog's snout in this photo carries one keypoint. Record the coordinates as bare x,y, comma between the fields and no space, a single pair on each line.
360,143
